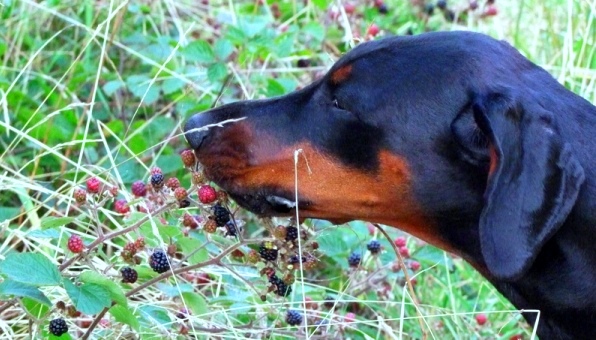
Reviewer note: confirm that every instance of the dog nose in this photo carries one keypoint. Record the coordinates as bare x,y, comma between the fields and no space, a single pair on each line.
195,130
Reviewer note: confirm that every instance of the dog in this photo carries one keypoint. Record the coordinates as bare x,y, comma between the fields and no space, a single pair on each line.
453,137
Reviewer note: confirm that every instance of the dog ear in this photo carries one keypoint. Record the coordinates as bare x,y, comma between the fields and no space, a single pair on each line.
533,182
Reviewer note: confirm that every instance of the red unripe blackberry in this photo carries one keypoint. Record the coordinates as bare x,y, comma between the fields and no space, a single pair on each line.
403,251
490,11
210,226
253,256
221,215
354,259
58,327
349,8
93,185
197,177
280,232
155,170
350,317
291,233
207,194
159,261
129,275
189,221
75,244
415,265
80,195
173,183
157,181
268,251
121,206
481,319
373,30
188,157
374,247
293,318
180,194
139,189
140,243
400,241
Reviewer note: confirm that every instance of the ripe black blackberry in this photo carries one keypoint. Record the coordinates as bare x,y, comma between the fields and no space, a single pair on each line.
157,180
58,327
231,229
293,318
354,260
374,247
129,275
281,288
296,259
159,261
221,215
442,4
268,251
291,233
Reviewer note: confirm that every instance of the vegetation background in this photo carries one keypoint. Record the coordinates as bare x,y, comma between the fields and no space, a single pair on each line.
98,88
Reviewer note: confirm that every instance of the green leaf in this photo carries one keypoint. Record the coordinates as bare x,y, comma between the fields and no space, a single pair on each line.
112,86
156,315
274,88
49,222
115,290
8,213
29,268
139,86
35,307
217,72
172,85
322,4
88,298
189,245
125,316
332,244
50,233
196,303
199,51
13,288
223,48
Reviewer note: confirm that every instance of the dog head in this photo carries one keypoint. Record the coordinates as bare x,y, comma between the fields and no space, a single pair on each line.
428,133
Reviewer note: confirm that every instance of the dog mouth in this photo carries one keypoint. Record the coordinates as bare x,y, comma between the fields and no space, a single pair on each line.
268,203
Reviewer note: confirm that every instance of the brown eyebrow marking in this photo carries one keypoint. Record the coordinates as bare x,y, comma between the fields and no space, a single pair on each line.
341,74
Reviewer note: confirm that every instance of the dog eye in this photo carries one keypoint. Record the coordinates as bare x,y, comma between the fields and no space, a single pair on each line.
336,104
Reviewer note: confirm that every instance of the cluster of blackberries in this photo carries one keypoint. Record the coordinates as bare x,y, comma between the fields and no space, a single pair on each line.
268,251
279,286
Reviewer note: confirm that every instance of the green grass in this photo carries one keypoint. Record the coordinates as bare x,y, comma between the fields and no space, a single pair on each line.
99,88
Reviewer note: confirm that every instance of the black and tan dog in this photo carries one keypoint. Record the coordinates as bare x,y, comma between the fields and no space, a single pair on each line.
453,137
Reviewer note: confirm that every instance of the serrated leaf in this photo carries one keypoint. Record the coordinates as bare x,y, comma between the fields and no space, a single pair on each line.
189,245
29,268
216,72
88,298
142,87
19,289
195,302
125,316
172,85
49,222
332,244
115,290
199,51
